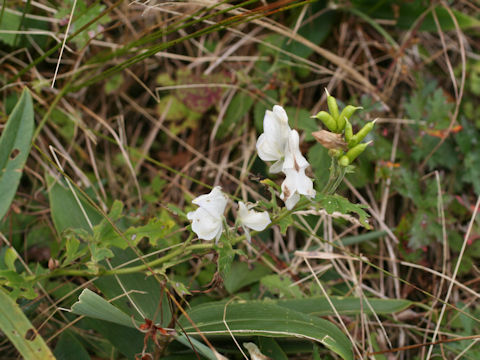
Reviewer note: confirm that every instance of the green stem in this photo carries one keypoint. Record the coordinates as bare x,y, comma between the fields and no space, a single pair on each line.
339,179
180,251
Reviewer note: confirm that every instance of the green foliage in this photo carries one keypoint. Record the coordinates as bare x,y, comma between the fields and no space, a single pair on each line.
20,331
238,108
83,15
14,149
281,286
242,274
265,319
406,13
337,203
93,305
193,70
70,348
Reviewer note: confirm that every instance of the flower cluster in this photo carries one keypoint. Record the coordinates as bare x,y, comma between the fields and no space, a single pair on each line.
208,220
279,143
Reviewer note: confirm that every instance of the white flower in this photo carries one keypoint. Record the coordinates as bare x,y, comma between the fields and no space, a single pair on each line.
271,144
252,219
207,220
296,182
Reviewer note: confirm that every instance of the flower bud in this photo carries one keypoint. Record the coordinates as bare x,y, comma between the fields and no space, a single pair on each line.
327,120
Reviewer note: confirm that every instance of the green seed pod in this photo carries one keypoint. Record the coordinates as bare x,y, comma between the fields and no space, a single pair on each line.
327,120
360,135
332,106
348,130
348,111
344,161
354,152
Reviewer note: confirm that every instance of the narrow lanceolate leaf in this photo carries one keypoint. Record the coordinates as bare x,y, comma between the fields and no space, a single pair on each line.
14,148
320,306
18,329
258,318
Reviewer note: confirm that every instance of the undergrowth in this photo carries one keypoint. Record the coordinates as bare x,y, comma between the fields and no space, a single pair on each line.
115,116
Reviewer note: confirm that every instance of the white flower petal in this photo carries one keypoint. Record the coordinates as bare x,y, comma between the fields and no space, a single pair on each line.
271,144
292,201
267,150
214,202
293,157
252,219
296,183
280,113
205,225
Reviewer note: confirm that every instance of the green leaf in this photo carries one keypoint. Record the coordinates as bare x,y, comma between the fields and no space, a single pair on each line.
126,340
271,348
69,348
409,12
9,259
65,211
100,252
320,306
82,16
9,22
156,229
145,291
300,119
226,254
263,318
93,305
18,329
15,145
282,286
337,203
238,108
72,249
241,275
284,223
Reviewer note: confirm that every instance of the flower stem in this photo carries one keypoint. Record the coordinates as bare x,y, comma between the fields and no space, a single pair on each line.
337,173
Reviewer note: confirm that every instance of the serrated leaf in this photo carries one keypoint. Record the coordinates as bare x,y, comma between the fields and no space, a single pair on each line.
100,252
281,285
284,223
337,203
156,229
262,318
19,330
15,145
